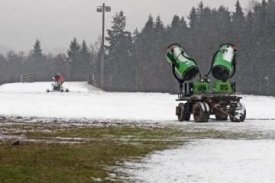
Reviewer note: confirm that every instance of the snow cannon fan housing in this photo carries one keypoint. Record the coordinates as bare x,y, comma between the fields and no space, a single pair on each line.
224,62
185,67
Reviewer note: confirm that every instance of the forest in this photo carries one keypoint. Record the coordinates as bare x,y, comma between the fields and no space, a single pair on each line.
135,61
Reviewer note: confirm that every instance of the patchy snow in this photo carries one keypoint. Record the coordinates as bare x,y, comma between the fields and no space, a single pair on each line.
207,160
213,161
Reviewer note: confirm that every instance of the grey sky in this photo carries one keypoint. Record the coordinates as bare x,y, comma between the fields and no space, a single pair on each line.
56,22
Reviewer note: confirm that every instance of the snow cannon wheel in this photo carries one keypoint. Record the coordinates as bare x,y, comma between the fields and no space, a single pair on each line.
201,112
61,90
239,113
183,113
67,90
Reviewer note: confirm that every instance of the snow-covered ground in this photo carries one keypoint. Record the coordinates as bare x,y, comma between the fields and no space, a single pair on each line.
83,101
208,160
86,101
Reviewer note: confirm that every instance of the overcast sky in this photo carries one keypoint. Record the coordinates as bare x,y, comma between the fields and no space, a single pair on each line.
56,22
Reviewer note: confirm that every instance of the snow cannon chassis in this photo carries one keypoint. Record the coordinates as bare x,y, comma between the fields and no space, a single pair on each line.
57,89
61,90
202,104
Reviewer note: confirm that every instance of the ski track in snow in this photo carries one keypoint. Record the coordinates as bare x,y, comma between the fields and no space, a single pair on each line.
208,160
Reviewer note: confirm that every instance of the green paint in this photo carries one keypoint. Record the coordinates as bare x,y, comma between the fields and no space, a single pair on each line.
186,67
224,61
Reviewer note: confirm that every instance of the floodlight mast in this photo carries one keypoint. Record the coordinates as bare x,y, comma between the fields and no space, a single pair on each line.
102,9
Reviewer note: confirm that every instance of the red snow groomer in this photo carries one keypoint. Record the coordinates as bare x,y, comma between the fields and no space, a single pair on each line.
57,85
58,78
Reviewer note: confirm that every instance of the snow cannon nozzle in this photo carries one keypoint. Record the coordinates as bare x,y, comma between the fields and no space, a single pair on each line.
224,61
184,67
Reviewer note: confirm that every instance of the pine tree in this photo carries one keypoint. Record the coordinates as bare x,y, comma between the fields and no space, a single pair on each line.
84,63
136,56
84,52
178,31
37,51
95,50
74,57
145,46
222,24
156,64
193,19
135,35
118,63
73,52
238,24
238,15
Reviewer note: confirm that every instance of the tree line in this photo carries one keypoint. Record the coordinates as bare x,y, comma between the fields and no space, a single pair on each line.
75,65
136,61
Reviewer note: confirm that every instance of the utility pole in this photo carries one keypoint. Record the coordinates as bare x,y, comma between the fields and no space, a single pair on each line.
102,9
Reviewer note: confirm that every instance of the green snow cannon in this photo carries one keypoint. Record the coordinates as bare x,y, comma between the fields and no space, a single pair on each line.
224,61
184,68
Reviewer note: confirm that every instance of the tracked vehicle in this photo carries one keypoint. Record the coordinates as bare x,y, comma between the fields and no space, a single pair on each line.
204,98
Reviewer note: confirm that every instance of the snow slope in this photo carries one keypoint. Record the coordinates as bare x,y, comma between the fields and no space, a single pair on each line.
86,101
83,101
41,87
209,160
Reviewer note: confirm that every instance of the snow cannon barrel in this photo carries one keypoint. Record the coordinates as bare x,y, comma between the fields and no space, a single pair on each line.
185,67
224,62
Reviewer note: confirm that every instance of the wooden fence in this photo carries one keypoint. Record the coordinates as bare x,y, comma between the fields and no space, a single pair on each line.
27,78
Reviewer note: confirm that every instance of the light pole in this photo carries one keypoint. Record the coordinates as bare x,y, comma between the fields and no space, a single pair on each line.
102,9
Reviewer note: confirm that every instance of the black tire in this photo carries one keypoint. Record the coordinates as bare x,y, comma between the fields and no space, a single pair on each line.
207,111
201,112
67,90
239,110
182,111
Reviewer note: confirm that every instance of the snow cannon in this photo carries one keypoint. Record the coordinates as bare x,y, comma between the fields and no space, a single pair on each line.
184,68
224,61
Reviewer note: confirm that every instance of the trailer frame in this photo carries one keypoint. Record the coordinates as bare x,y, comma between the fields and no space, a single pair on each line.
201,106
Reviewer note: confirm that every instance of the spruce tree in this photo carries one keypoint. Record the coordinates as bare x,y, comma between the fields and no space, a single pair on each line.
73,52
193,19
37,51
118,65
145,45
177,31
156,65
74,57
84,63
238,23
84,52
